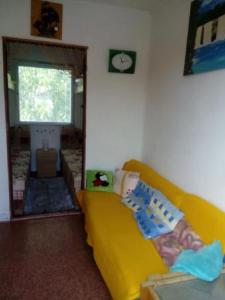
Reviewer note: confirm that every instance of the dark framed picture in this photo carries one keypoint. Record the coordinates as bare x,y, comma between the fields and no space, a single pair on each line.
46,19
206,37
122,61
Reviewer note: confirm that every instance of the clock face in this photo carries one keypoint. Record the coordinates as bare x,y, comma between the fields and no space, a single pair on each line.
122,62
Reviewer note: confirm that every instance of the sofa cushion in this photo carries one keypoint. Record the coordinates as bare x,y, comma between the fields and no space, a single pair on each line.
140,197
151,177
125,182
144,191
206,219
133,202
99,180
159,217
162,207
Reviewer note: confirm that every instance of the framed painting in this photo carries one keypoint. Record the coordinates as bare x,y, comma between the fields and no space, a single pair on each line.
206,37
46,19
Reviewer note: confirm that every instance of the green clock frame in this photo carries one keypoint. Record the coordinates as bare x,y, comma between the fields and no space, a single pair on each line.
131,54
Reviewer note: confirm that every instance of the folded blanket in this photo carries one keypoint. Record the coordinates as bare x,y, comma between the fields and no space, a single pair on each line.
171,244
206,264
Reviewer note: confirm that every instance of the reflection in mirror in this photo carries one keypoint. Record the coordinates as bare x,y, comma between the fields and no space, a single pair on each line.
46,107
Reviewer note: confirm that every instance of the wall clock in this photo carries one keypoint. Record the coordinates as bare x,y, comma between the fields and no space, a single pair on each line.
122,61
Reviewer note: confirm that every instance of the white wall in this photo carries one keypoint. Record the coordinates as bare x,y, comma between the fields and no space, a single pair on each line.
185,116
115,102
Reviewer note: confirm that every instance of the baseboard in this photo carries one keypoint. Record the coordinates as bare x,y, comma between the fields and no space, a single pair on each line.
4,217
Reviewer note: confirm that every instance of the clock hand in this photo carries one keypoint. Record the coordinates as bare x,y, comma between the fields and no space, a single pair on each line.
123,60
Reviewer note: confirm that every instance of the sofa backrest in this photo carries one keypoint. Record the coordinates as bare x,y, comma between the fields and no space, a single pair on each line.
151,177
206,219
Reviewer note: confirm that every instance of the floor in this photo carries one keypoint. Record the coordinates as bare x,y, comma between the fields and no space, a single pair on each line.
48,259
46,195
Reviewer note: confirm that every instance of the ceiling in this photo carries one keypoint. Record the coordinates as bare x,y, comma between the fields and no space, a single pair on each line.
149,5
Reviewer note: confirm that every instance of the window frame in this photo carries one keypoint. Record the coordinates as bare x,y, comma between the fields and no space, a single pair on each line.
47,66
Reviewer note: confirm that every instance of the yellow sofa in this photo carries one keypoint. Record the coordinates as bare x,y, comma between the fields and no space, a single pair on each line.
123,256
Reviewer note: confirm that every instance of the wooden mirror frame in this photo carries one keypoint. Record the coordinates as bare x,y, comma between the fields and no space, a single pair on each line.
5,41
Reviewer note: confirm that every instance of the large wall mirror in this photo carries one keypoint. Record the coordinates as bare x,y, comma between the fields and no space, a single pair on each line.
45,89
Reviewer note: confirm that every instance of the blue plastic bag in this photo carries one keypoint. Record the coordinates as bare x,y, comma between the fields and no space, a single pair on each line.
206,263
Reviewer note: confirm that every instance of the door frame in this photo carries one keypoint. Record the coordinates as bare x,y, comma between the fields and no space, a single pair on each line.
5,41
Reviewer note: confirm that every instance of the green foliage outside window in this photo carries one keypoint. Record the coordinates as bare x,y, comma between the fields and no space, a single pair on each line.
44,95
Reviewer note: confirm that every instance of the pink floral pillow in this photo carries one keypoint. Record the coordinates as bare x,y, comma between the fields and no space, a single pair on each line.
171,244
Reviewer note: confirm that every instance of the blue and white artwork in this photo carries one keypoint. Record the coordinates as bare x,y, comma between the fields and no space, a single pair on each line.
206,37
